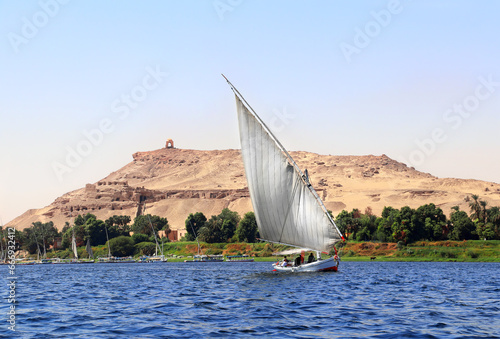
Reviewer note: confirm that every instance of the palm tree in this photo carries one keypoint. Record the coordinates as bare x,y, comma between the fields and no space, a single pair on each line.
475,207
483,211
494,215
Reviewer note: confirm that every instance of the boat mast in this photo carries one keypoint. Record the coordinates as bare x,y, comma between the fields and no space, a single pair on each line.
73,239
89,249
154,233
38,253
107,238
256,116
196,237
43,239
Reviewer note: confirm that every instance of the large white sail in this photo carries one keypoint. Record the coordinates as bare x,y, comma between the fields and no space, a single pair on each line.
287,208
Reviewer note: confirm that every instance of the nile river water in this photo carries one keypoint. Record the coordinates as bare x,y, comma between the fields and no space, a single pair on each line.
235,300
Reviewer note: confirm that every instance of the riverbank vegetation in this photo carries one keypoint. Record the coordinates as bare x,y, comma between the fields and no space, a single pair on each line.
426,223
464,251
406,234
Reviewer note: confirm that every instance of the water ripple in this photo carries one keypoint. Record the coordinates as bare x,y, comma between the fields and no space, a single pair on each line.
184,300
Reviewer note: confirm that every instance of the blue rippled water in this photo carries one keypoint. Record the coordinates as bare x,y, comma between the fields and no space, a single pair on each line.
228,300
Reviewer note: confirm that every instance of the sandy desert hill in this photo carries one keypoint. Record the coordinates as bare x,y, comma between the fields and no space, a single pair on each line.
175,182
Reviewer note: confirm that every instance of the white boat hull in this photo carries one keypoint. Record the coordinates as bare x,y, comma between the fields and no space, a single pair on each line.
326,265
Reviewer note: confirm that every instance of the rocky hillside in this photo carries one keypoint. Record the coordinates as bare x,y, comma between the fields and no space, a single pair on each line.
175,182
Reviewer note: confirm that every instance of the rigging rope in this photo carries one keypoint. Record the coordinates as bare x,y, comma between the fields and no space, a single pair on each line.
154,232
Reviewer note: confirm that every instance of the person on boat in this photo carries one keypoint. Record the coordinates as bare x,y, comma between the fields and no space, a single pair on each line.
310,259
285,262
297,261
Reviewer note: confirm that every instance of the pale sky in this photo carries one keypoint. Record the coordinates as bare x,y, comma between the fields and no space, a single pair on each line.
85,84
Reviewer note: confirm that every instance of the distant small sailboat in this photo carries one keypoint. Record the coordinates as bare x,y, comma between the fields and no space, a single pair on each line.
88,248
204,257
73,244
156,257
111,259
287,208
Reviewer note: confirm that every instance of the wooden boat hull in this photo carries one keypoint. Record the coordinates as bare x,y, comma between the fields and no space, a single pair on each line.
327,265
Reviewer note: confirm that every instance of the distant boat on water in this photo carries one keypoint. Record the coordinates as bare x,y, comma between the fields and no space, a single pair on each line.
207,258
239,258
26,262
152,259
115,260
90,252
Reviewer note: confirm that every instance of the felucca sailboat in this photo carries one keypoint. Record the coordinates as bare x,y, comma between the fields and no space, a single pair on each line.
73,244
287,208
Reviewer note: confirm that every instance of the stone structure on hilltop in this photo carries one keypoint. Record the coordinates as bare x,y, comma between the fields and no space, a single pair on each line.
169,144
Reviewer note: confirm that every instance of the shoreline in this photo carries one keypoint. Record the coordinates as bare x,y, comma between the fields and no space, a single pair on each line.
422,251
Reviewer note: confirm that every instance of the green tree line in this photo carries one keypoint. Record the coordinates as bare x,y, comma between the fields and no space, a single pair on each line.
426,223
40,237
225,227
406,225
228,226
